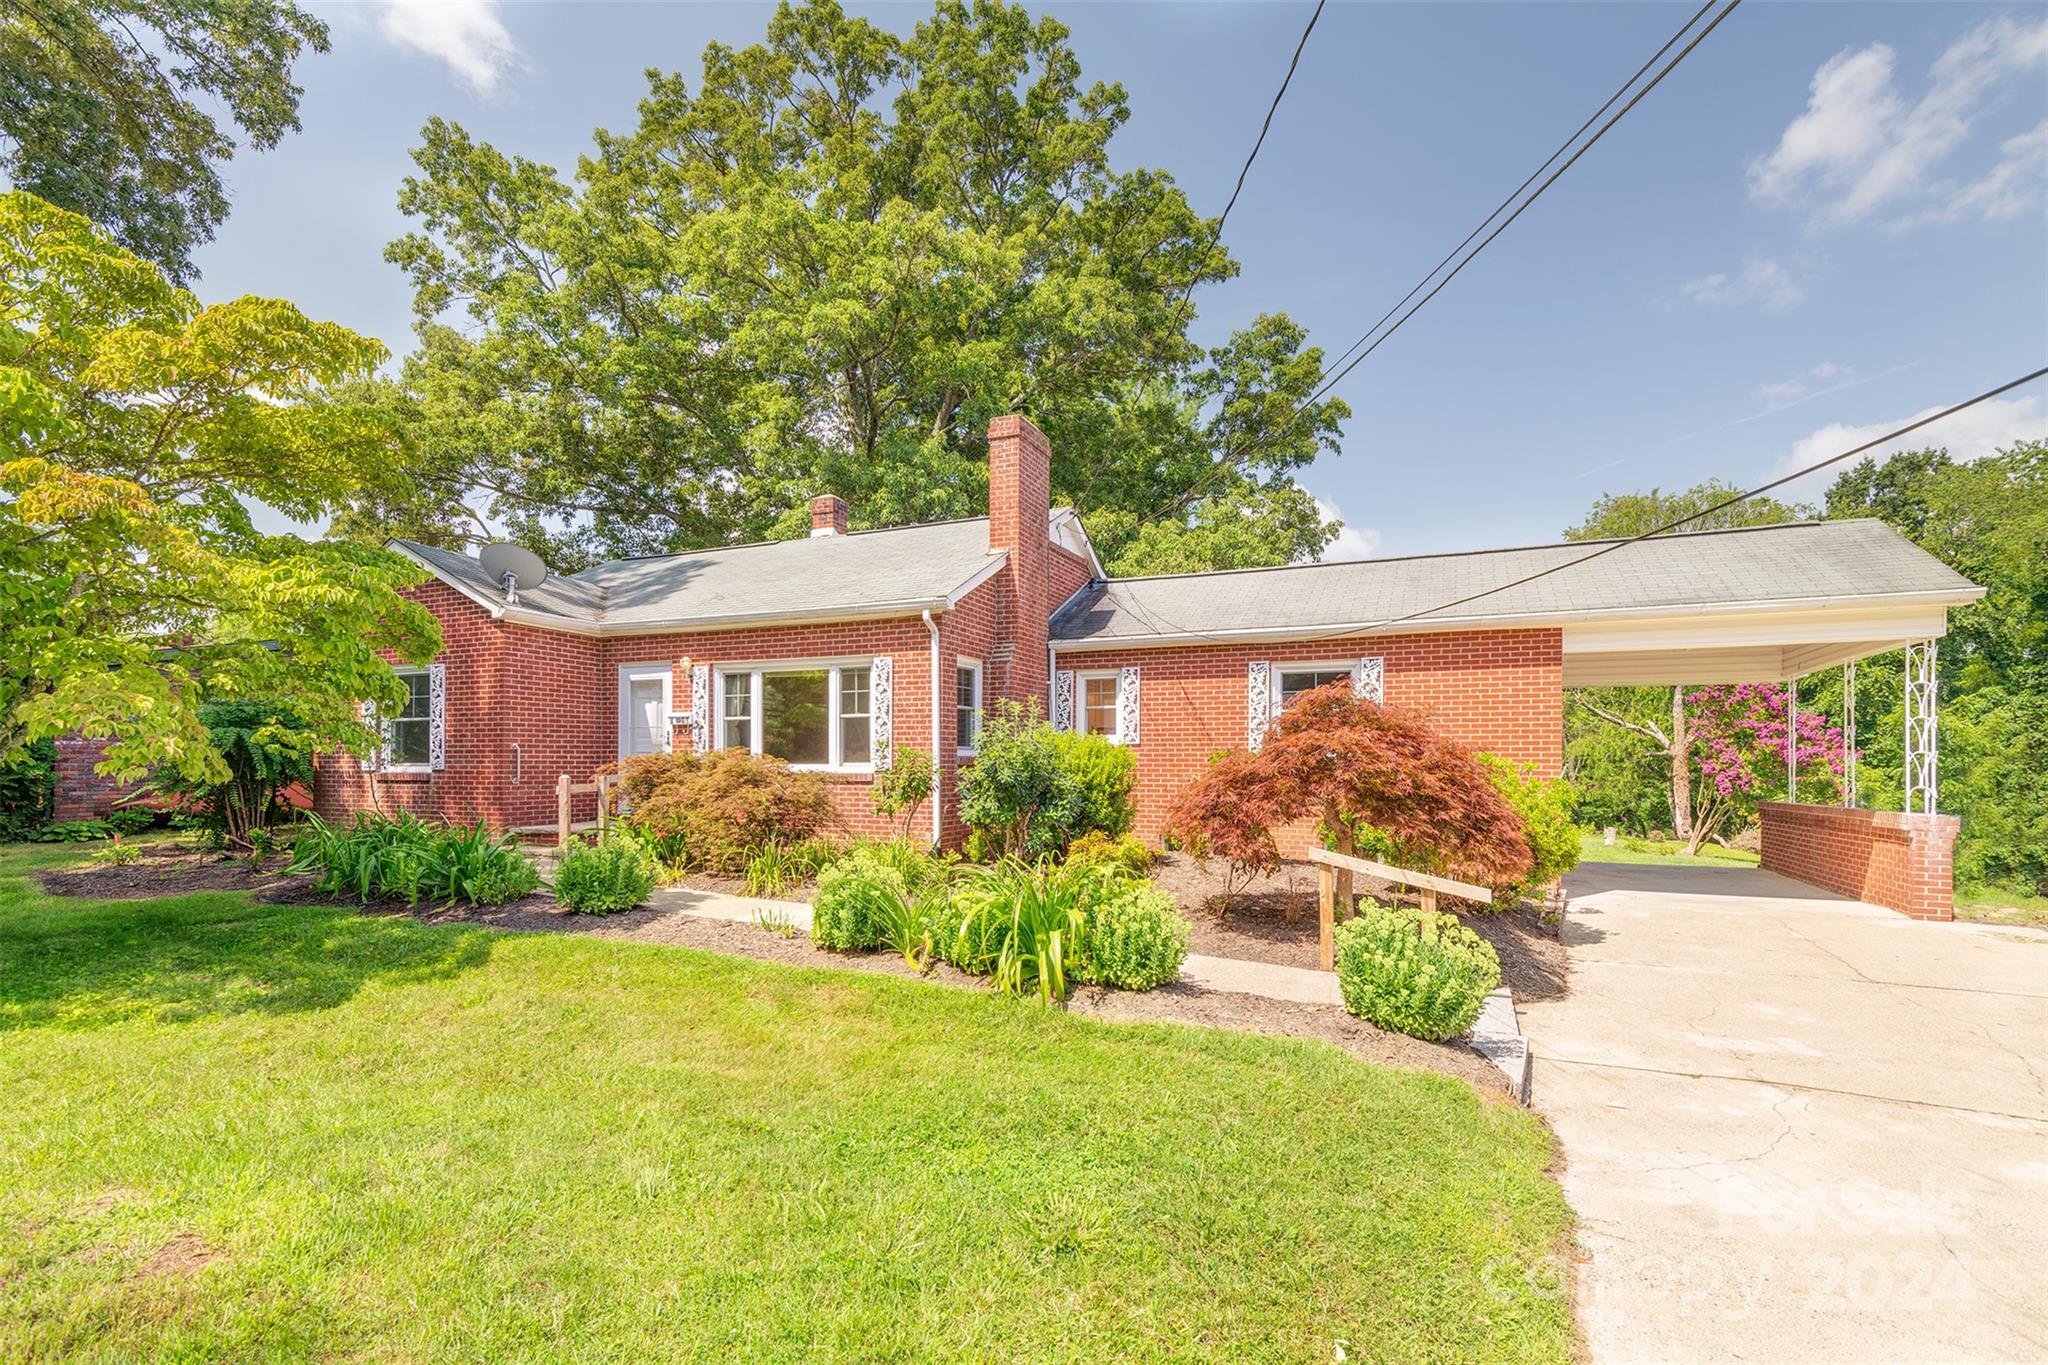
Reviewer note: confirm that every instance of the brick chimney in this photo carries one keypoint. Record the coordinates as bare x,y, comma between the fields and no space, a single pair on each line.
1019,513
828,516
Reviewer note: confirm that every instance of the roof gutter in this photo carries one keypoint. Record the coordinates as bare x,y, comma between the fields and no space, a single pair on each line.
1260,634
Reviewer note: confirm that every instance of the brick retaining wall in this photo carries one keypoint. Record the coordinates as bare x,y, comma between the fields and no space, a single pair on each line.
1886,857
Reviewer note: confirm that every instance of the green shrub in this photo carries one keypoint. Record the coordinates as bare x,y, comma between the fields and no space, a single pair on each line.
1106,774
1097,849
616,873
266,748
409,858
920,869
1135,939
858,897
1412,971
1545,808
28,790
1019,795
903,786
725,805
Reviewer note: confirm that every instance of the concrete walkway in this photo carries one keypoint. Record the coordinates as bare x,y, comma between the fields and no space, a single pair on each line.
1797,1127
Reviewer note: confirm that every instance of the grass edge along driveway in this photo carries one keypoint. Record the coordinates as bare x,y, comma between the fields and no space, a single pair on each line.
245,1131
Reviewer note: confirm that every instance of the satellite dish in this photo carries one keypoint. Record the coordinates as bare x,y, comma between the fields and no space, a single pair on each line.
513,565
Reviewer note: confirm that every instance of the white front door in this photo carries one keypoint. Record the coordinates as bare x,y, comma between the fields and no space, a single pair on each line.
643,709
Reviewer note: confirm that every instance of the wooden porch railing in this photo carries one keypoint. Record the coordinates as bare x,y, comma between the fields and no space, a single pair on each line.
1329,864
565,791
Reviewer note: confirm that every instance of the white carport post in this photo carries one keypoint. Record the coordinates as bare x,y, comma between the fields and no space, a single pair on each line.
1849,734
1792,740
1921,751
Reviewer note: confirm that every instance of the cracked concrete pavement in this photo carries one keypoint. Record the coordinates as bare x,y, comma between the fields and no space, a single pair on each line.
1796,1126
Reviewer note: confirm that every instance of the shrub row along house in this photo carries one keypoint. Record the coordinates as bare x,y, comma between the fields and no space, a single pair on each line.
836,651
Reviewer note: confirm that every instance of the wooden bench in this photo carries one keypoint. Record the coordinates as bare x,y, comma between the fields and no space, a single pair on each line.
1329,865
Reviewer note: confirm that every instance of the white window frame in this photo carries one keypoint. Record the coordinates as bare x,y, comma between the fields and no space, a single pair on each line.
980,705
1348,667
632,673
388,726
1115,734
831,668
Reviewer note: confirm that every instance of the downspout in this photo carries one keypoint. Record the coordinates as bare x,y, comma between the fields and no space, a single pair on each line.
938,764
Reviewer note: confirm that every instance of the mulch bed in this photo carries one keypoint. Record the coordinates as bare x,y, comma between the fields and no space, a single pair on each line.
1258,921
162,870
1273,919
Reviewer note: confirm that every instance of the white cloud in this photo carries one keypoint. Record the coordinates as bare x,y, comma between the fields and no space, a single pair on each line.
2007,190
1352,542
1858,146
1969,435
467,35
1763,283
1801,385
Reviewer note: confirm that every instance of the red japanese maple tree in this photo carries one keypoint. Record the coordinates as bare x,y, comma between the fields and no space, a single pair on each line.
1344,759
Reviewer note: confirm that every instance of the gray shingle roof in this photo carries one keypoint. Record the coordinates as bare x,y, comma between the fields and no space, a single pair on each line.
911,567
1792,562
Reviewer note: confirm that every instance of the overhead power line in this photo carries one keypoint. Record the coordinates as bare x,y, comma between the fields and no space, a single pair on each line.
1369,343
1609,547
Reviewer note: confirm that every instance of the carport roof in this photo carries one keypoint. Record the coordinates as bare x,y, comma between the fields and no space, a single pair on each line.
1784,566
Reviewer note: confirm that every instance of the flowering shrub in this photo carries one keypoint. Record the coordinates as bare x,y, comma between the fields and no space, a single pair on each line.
1739,739
724,806
1413,971
1349,760
1133,937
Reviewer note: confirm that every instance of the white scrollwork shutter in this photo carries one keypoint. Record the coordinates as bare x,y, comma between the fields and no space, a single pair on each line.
437,716
1127,705
1369,681
882,722
1258,703
375,757
1063,700
700,708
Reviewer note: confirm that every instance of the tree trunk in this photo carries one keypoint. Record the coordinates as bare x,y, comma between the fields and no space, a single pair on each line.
1681,769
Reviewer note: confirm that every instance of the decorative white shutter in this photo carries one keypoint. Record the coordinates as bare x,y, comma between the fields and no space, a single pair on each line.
1369,680
882,720
1063,700
437,716
700,708
375,758
1127,705
1258,703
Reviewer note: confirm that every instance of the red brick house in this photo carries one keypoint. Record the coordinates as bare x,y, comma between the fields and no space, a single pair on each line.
837,651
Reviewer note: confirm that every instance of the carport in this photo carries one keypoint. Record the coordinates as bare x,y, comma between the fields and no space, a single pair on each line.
1886,602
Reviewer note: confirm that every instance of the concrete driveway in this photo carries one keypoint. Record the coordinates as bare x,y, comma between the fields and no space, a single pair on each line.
1796,1126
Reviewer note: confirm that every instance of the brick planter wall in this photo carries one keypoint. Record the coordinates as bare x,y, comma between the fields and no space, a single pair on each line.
1904,862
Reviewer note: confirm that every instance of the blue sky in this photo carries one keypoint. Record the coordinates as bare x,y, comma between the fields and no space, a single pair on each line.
1828,220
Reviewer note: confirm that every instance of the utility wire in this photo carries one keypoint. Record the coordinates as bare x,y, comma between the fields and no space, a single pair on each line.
1330,377
1609,547
1216,234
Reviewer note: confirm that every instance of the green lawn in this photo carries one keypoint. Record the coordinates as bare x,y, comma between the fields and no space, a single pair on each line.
1628,849
236,1131
1996,905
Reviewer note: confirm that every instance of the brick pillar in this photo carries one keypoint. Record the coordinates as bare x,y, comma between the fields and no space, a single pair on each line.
1019,517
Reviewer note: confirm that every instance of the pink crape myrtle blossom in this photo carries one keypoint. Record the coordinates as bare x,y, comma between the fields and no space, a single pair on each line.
1738,739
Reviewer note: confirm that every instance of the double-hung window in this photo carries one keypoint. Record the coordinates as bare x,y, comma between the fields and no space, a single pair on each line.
1095,712
810,715
1291,680
967,705
407,732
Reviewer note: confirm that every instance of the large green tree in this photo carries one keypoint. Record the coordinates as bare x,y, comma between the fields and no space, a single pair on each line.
1988,520
1614,736
101,108
134,425
824,268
